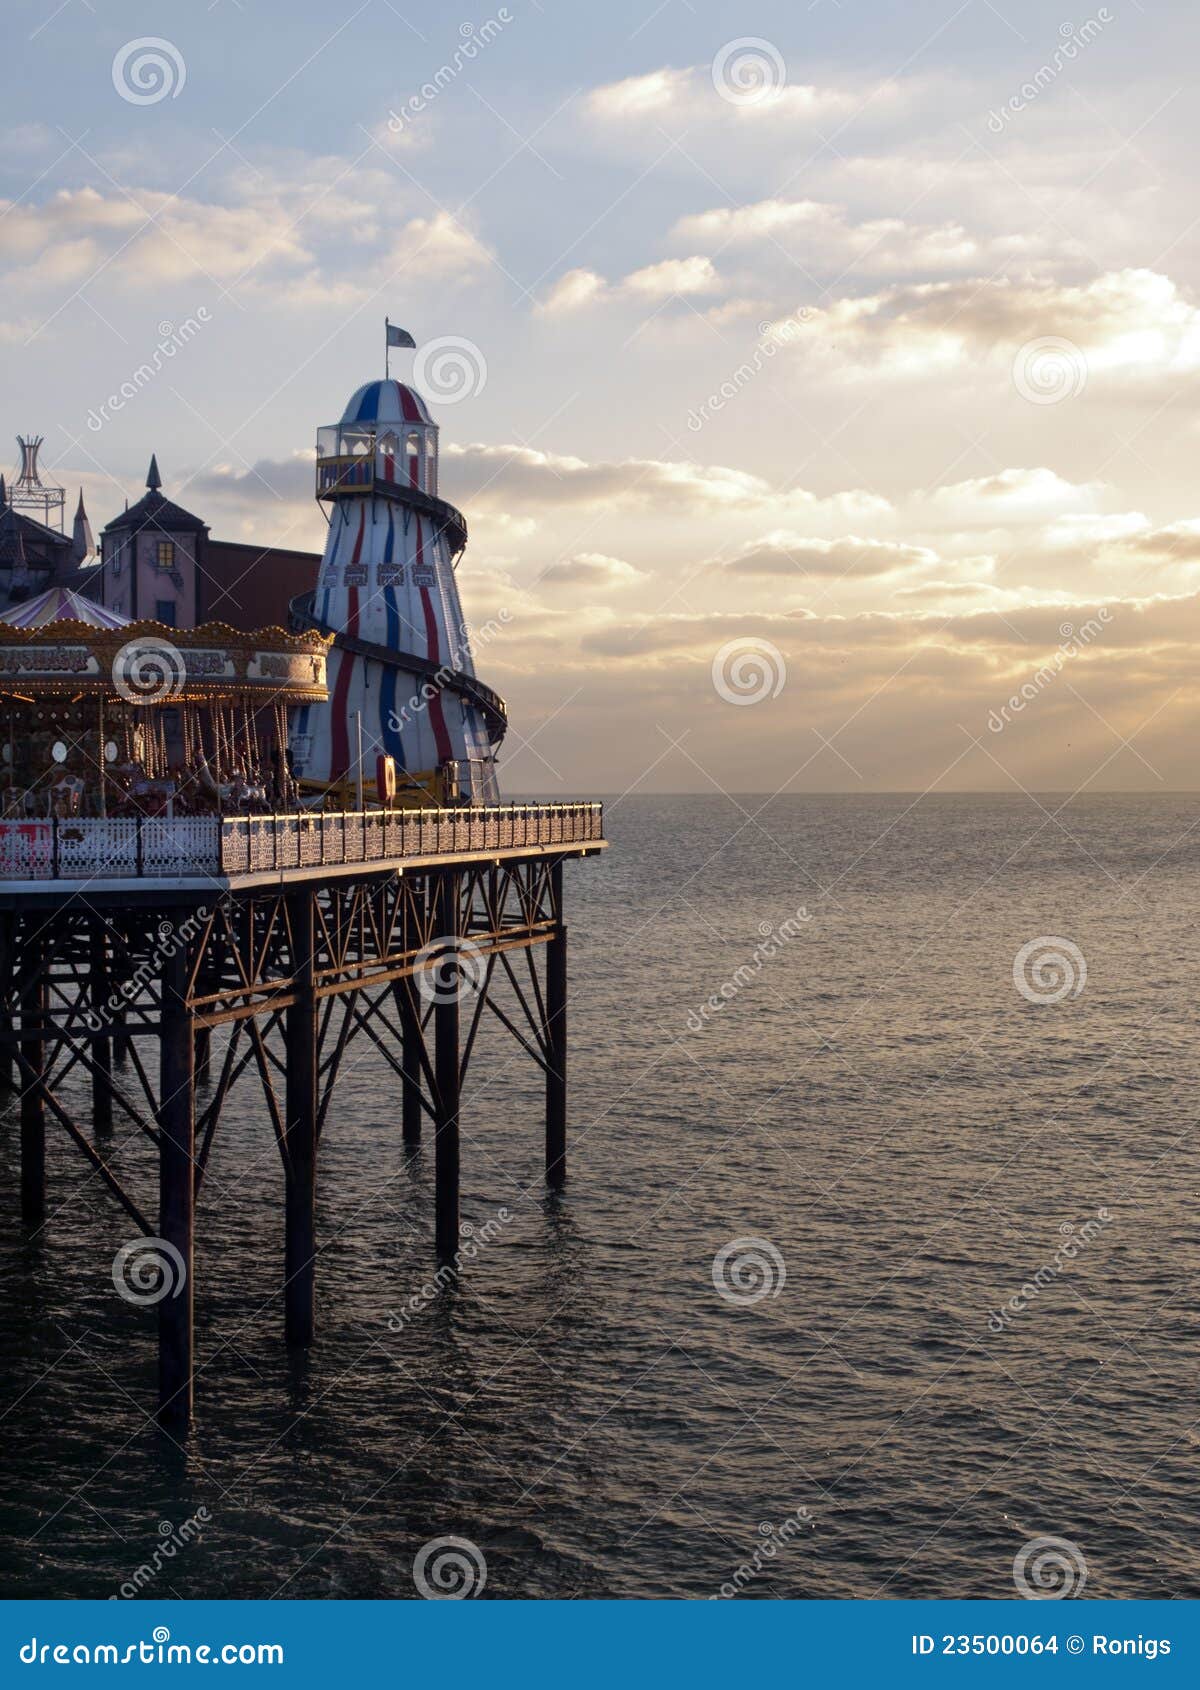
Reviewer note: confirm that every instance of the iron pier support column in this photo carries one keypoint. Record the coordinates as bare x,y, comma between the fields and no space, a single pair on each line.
31,978
101,1000
446,1102
119,976
203,1055
411,1034
176,1193
556,1041
300,1166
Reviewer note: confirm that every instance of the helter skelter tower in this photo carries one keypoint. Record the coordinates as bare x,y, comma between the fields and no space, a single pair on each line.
401,677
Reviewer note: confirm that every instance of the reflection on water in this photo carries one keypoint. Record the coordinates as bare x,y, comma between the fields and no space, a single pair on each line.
874,1099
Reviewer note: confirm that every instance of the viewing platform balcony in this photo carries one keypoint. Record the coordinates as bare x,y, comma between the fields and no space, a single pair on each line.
194,853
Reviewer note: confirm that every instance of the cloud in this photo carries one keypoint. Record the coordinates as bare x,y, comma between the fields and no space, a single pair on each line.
670,98
1015,495
782,554
592,569
436,248
519,477
573,291
821,236
670,279
290,236
1125,323
1178,543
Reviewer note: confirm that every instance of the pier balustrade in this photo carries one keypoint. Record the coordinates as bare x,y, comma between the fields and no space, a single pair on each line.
157,847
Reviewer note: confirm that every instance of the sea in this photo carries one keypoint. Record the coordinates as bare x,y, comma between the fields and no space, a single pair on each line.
875,1269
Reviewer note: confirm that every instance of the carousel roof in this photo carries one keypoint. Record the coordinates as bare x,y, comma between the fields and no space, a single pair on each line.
59,603
149,663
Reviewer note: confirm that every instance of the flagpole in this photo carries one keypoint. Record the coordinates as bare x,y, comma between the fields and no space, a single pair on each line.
387,350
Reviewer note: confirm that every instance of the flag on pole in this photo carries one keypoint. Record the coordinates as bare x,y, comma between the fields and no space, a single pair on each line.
399,337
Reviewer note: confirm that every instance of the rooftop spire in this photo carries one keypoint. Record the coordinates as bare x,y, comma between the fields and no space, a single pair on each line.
153,478
82,544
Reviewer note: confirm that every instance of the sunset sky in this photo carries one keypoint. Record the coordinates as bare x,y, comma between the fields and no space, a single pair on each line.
938,265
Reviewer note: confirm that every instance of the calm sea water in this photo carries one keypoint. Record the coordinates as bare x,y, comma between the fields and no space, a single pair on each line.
912,1138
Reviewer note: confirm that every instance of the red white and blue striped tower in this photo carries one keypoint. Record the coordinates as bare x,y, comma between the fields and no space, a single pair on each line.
401,671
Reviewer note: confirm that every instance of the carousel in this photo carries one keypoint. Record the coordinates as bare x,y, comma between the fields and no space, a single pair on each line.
106,719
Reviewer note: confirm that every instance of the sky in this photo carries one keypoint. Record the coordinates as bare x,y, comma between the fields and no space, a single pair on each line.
817,380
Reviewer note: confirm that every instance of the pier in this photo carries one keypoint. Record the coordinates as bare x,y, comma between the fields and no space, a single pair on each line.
124,942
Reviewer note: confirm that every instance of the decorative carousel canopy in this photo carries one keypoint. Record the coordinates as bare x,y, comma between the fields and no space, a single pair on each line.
148,663
60,604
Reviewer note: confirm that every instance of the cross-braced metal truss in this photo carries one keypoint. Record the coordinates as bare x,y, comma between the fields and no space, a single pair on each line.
408,962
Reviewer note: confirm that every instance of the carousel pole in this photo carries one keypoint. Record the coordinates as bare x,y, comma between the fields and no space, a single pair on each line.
103,759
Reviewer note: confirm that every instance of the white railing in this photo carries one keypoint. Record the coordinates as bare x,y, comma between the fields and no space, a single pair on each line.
153,848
